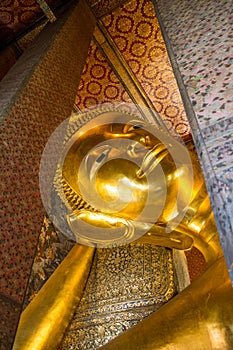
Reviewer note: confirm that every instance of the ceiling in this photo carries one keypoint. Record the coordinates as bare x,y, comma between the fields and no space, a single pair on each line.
127,60
19,17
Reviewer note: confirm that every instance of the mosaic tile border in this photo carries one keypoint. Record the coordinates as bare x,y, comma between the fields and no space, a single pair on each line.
199,37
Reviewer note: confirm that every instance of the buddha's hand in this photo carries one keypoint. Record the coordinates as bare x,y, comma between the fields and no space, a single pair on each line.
100,227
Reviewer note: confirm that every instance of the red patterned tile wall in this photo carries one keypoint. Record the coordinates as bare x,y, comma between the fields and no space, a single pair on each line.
196,263
135,30
99,84
10,311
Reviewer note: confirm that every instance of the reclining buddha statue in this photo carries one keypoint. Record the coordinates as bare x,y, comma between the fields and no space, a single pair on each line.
133,196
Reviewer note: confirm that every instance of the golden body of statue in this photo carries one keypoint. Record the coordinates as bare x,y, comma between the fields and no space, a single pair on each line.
107,192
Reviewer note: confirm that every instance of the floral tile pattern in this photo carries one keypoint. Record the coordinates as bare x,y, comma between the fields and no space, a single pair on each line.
145,53
99,83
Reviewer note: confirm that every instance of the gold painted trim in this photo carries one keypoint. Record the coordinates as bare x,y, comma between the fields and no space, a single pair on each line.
76,109
47,10
200,317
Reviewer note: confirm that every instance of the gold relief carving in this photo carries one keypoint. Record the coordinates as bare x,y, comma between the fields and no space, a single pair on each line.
126,284
70,188
204,308
98,323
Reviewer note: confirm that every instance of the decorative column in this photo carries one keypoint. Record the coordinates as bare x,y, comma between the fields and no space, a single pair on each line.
199,39
37,94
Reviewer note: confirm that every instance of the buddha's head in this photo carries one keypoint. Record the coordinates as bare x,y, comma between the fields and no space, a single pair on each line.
120,176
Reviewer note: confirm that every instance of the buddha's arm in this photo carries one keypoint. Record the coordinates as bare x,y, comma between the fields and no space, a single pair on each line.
43,323
200,317
177,239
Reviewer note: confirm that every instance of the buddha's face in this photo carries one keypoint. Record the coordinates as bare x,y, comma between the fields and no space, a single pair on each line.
123,171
